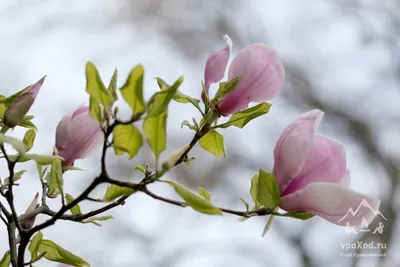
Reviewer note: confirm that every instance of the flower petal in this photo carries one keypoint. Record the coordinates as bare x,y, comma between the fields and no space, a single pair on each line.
216,64
293,146
262,77
334,203
34,88
84,135
326,162
62,133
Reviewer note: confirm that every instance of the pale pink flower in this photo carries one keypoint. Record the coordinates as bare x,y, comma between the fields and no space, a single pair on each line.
259,67
312,175
77,135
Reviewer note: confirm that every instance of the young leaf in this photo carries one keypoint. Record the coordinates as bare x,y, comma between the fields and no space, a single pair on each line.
161,99
245,204
241,118
2,111
155,131
16,177
56,253
114,191
302,215
196,202
75,209
268,190
226,87
95,87
140,168
112,87
127,138
6,260
72,168
40,159
10,99
132,90
178,97
95,110
213,142
16,144
34,245
29,139
204,193
95,220
254,190
27,123
56,178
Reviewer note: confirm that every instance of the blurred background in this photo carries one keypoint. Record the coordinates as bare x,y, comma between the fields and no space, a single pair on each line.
341,56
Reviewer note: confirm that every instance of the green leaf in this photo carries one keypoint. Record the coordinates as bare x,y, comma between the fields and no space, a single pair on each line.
56,253
268,190
11,98
127,138
40,159
178,97
34,246
2,111
52,191
302,215
160,100
75,209
72,168
29,139
95,220
56,178
155,131
213,142
241,118
95,87
245,204
6,260
196,202
16,177
112,87
115,191
254,190
203,192
140,168
226,87
132,90
95,110
27,123
16,144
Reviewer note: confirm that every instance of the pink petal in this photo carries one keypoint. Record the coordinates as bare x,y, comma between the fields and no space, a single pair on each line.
293,146
34,88
326,162
62,133
345,180
216,64
332,202
84,136
262,75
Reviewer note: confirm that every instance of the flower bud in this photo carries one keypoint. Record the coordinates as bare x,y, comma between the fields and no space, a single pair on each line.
28,223
77,135
262,78
173,158
21,105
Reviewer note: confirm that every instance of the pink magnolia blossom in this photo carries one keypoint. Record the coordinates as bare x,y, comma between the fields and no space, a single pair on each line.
77,135
312,175
259,67
21,105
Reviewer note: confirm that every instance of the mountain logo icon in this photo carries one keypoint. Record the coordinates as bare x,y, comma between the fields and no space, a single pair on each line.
363,204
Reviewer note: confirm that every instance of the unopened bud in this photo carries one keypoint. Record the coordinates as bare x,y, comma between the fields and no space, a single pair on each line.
21,105
28,223
173,158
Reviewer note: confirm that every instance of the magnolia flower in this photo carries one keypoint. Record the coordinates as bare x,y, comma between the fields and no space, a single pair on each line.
21,105
312,175
259,67
77,135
